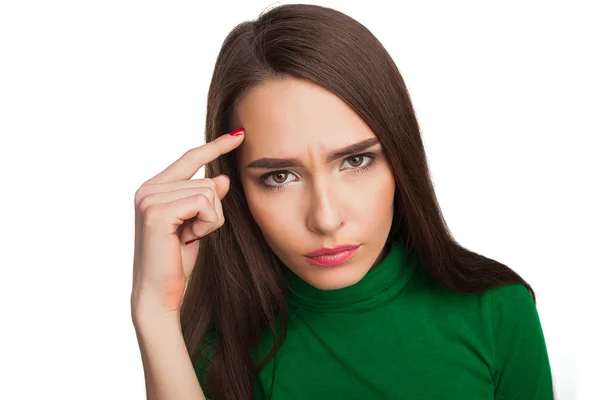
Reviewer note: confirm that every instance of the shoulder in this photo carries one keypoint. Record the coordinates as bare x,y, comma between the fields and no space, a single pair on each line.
509,304
510,293
519,349
521,367
498,312
510,313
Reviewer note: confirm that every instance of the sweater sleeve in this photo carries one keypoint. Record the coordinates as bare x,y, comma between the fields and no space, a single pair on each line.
522,368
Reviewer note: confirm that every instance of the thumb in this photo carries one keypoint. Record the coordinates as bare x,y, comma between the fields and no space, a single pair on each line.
222,183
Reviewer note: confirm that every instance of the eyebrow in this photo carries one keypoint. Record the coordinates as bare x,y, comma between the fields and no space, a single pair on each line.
276,163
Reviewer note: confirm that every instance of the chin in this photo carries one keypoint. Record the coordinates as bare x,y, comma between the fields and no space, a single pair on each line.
336,278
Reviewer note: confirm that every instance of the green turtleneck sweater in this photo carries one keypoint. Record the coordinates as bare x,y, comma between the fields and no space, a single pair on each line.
397,335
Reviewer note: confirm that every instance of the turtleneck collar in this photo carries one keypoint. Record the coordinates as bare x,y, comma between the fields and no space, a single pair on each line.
381,283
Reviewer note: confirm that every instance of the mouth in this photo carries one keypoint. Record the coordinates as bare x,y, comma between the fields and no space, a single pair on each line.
329,257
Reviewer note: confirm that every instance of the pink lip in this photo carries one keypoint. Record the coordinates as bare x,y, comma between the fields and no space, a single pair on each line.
326,251
331,257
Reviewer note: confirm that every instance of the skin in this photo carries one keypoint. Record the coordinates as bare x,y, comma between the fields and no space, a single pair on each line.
320,203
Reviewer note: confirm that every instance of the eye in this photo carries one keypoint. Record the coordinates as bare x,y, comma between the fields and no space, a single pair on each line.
356,161
276,178
360,162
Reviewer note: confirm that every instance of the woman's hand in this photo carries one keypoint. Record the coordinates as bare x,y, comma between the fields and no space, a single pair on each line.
170,210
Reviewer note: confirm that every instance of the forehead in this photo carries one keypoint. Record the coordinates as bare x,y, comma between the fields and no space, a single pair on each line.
289,116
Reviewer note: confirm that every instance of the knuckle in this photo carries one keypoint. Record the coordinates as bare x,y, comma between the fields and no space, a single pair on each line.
211,185
139,196
214,218
202,199
151,215
144,204
210,191
211,216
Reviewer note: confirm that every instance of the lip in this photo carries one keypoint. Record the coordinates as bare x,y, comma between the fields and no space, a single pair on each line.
328,257
324,251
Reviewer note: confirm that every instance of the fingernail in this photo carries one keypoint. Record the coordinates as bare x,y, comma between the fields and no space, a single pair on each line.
237,132
193,240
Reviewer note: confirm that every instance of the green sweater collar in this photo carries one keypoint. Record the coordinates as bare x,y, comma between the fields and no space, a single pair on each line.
379,284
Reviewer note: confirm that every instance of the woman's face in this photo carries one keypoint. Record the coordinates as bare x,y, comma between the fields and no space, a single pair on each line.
302,193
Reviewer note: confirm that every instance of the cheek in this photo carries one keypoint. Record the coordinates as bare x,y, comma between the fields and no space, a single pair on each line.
377,199
270,214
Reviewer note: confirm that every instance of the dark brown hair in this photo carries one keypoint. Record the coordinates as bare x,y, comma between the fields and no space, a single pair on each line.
237,289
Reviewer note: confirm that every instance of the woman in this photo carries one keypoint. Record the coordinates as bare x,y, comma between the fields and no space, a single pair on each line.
324,268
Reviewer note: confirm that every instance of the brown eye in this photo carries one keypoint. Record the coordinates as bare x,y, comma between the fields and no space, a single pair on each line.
355,161
279,177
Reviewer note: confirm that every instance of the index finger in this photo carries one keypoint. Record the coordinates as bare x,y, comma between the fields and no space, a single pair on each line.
189,163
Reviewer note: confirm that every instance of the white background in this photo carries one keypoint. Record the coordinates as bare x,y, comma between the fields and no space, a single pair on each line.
98,96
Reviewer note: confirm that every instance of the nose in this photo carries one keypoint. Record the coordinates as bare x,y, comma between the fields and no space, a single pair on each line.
325,214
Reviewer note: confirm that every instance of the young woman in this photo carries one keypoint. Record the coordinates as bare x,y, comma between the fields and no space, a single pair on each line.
324,269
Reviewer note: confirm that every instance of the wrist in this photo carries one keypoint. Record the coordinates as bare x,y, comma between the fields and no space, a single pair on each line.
146,312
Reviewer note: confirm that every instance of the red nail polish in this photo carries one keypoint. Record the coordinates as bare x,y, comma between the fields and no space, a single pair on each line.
193,240
237,132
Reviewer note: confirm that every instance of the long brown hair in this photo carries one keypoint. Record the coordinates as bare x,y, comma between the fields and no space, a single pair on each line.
237,289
